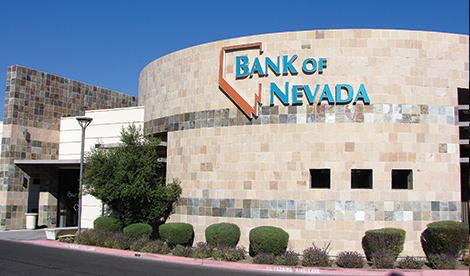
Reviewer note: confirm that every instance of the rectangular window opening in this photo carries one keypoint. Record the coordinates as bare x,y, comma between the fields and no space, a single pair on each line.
361,179
320,178
402,179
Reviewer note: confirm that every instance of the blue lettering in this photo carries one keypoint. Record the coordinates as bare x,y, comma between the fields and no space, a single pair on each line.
308,93
256,69
283,97
296,93
349,90
321,65
326,95
287,65
305,68
241,65
362,95
275,67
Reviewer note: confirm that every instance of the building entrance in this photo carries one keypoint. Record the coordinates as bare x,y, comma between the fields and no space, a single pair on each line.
67,211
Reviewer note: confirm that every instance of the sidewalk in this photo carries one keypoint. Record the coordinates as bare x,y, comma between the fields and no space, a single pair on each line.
248,266
23,235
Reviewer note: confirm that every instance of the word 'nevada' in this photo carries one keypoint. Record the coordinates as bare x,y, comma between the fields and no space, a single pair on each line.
309,66
344,94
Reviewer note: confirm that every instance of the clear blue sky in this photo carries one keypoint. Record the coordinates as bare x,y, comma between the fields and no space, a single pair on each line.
107,43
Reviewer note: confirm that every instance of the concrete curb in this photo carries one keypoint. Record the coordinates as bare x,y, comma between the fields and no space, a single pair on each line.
245,266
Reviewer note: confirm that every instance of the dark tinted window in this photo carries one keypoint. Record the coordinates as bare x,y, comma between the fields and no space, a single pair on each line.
320,178
402,179
361,179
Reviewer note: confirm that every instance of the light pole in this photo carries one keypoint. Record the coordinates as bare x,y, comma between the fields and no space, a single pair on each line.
83,122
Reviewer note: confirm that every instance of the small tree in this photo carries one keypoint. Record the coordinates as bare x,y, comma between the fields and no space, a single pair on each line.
126,178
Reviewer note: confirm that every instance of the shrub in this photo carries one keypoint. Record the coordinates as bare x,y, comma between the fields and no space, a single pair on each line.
268,239
289,258
442,261
410,263
138,244
263,258
203,250
138,231
66,232
87,237
157,247
316,256
223,234
350,259
177,233
116,240
107,224
391,239
67,239
384,258
230,254
444,237
182,251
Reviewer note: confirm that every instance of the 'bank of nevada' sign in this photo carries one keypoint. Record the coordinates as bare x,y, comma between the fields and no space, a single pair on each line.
287,94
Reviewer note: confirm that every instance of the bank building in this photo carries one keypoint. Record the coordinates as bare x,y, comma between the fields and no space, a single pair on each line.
325,133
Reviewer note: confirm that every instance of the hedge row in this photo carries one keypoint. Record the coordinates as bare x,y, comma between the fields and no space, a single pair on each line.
442,243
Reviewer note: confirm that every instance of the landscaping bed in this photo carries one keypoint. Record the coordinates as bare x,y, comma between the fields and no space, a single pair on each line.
268,246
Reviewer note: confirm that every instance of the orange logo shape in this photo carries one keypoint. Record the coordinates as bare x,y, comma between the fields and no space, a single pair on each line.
249,110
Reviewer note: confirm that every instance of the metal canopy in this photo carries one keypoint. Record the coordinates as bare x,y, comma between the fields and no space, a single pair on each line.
31,166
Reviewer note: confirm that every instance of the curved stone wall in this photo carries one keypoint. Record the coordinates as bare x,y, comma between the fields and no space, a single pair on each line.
256,172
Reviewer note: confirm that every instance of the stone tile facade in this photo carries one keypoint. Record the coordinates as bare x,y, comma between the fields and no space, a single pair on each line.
320,210
374,113
34,103
256,172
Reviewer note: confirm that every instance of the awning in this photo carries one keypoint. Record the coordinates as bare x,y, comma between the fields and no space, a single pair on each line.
32,166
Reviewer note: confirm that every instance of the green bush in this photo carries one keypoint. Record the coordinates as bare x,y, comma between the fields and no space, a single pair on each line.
289,258
384,258
138,244
229,254
182,251
177,233
138,231
66,239
116,240
268,239
350,259
87,237
442,261
383,239
410,263
316,256
157,247
444,237
223,234
263,258
203,250
107,224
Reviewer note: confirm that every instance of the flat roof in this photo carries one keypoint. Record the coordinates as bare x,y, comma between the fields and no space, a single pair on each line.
32,167
47,162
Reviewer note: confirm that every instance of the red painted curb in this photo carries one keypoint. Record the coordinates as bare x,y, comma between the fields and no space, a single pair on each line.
245,266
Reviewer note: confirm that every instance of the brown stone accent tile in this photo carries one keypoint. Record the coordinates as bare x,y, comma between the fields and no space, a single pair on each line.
273,185
349,146
402,156
411,157
442,148
264,147
420,137
247,185
206,167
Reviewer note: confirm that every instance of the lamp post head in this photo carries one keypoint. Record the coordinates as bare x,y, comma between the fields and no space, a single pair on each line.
84,121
